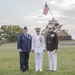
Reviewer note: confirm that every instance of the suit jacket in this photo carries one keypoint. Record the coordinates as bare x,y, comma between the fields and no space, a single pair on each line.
24,42
51,41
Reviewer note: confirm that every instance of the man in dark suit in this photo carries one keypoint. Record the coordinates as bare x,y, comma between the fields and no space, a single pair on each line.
52,46
24,47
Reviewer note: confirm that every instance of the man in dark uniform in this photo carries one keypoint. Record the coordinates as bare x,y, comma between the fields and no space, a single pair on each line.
52,46
24,47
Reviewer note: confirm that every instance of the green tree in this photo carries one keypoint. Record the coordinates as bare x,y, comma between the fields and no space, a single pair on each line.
0,36
10,32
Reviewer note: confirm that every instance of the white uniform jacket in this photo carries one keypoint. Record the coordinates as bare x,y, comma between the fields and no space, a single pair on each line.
38,43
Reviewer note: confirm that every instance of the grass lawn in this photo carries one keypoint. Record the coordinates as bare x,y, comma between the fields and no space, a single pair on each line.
9,61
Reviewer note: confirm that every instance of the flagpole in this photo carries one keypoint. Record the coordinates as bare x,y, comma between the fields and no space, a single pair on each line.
50,11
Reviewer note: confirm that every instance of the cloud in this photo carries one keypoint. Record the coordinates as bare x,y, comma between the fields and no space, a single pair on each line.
2,21
56,1
36,16
42,22
30,17
27,13
68,15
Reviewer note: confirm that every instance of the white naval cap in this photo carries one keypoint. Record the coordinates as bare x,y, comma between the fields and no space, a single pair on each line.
37,29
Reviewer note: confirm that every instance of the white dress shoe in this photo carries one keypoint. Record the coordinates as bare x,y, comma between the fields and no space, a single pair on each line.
40,70
50,69
53,70
36,70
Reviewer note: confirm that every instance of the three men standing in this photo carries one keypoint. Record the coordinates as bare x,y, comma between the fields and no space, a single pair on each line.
24,46
52,46
38,47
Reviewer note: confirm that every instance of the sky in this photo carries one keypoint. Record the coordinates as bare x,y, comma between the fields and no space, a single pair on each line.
30,13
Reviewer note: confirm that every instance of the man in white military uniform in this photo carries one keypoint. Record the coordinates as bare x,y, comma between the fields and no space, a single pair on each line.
38,47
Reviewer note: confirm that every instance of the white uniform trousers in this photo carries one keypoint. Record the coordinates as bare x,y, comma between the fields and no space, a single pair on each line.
52,60
38,60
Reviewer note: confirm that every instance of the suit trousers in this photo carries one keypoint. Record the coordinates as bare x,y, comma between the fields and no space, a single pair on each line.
24,56
38,60
52,55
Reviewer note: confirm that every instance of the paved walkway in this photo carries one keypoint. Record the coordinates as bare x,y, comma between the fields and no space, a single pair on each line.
66,42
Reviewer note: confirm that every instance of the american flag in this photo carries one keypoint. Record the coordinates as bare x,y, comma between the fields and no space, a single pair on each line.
46,8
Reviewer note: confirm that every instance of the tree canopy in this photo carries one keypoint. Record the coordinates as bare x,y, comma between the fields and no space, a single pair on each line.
10,32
